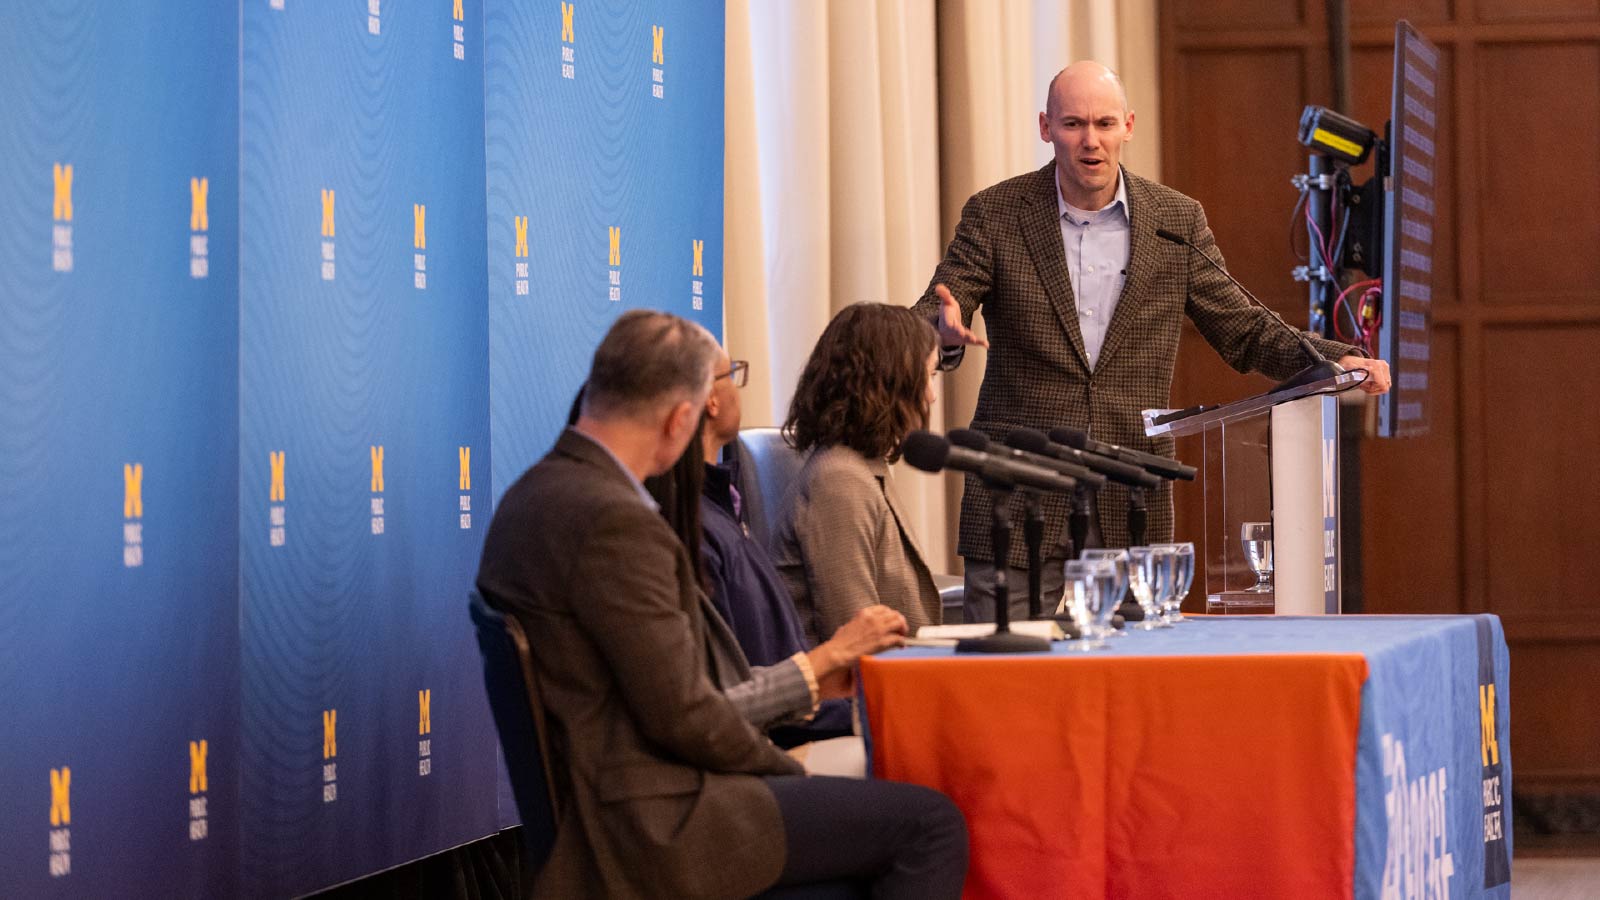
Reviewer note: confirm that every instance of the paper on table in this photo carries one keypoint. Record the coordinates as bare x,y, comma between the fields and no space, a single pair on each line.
1047,630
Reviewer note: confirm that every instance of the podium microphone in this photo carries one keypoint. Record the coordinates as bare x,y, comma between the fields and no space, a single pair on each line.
1319,369
1161,466
977,440
1122,473
932,453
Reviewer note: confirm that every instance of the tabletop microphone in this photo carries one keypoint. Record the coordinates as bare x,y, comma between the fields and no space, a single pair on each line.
1122,473
1169,469
932,453
977,440
1320,367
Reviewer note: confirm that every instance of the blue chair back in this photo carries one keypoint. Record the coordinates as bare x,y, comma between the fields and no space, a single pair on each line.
767,466
513,689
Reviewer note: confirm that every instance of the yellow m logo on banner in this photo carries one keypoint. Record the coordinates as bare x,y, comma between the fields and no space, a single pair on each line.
61,206
377,469
566,22
133,490
424,720
456,13
615,234
330,739
1491,741
522,235
699,256
60,797
276,458
327,212
419,231
657,33
464,457
198,189
197,766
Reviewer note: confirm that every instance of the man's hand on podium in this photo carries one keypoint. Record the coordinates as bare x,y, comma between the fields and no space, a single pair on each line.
1377,373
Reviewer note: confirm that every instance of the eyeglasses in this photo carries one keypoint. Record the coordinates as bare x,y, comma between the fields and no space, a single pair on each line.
739,371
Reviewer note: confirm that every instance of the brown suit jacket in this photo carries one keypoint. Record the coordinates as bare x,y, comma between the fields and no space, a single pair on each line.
843,543
655,768
1007,257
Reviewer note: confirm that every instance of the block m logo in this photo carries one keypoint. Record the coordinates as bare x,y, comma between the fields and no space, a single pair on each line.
657,34
566,22
464,458
60,797
456,13
276,458
61,205
377,469
327,212
198,189
330,739
615,233
133,490
1490,744
522,234
1330,496
699,258
419,230
197,766
424,719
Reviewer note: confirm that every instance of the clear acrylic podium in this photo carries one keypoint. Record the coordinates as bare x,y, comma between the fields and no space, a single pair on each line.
1272,458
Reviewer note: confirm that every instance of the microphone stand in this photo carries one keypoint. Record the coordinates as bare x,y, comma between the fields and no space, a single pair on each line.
1033,536
1004,640
1138,514
1078,522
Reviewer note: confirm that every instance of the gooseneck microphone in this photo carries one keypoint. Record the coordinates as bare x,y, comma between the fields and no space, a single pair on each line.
1170,469
932,453
1319,369
1122,473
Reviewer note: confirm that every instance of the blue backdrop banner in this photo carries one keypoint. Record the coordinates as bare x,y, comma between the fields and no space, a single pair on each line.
289,292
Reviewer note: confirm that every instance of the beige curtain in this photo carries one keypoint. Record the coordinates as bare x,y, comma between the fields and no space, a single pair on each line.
856,129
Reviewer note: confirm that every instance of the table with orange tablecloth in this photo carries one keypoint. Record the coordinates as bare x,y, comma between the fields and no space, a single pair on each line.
1227,757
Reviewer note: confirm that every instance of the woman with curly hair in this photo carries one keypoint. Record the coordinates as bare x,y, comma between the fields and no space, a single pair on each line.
843,541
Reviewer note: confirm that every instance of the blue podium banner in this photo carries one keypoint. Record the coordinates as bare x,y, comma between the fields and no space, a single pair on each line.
289,292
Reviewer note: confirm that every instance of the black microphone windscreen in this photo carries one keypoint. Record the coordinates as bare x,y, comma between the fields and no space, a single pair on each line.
1028,439
1075,438
925,450
969,438
1166,235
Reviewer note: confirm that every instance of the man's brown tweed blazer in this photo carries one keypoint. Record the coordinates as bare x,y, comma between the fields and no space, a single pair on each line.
1007,257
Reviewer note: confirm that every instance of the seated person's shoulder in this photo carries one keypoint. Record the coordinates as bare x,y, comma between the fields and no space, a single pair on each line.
830,467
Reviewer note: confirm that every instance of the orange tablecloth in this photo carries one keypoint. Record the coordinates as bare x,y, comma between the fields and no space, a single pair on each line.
1132,776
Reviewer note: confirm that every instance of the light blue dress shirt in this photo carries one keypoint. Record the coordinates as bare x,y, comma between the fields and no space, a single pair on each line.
1098,243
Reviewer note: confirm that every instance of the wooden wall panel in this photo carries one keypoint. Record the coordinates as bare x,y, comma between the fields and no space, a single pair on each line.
1537,10
1542,138
1216,14
1220,155
1555,717
1544,540
1384,12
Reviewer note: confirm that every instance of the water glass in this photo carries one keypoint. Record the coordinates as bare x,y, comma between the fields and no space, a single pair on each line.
1180,568
1143,580
1092,592
1119,562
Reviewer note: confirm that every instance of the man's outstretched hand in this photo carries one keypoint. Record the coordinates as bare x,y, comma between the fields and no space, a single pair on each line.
951,332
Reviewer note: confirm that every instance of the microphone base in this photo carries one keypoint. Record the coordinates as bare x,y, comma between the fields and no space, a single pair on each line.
1004,642
1314,372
